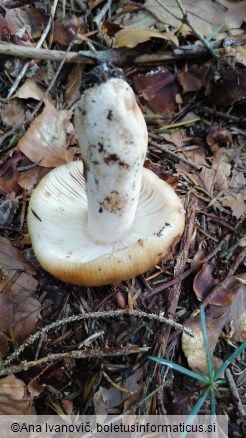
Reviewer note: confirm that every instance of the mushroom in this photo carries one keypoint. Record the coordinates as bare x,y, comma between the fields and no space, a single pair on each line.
110,219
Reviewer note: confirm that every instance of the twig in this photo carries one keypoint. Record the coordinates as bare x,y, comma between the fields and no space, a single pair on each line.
75,354
206,109
81,57
186,20
116,385
189,271
174,294
115,56
39,44
234,392
219,287
76,318
99,17
173,154
149,396
40,103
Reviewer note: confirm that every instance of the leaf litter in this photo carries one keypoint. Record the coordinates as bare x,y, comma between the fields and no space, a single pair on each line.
194,106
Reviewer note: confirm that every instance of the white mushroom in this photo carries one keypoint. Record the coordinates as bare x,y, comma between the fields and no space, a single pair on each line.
123,219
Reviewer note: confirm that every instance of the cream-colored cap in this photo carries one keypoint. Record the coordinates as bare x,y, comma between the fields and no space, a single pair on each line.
57,223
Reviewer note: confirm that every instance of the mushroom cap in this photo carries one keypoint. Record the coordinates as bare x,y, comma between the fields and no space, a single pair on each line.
57,223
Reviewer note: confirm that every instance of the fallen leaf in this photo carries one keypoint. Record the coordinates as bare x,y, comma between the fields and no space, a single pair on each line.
72,92
16,272
175,137
204,281
194,348
12,113
194,78
238,180
236,202
32,19
132,37
217,137
9,175
35,389
66,28
8,207
205,16
222,169
30,90
31,177
5,30
45,142
159,89
227,308
13,397
236,318
18,314
227,87
107,398
26,312
4,347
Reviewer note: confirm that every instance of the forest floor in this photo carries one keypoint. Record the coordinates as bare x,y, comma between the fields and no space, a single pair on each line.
72,349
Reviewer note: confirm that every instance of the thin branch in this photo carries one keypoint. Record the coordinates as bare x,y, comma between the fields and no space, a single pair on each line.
235,393
186,20
39,44
96,315
173,154
75,354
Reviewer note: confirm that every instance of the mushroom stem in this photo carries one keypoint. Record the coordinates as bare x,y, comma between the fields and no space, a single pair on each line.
113,138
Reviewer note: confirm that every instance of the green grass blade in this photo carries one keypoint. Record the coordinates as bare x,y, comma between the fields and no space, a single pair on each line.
200,401
180,369
192,416
213,402
214,33
230,360
206,343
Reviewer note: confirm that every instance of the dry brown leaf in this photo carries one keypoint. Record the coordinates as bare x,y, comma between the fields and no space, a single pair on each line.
30,178
194,78
204,281
18,314
13,397
66,28
236,318
107,398
227,87
238,180
31,18
26,311
218,136
4,345
175,137
9,175
236,202
132,37
12,113
72,92
30,90
8,207
16,272
205,16
45,142
194,348
222,169
159,89
227,308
